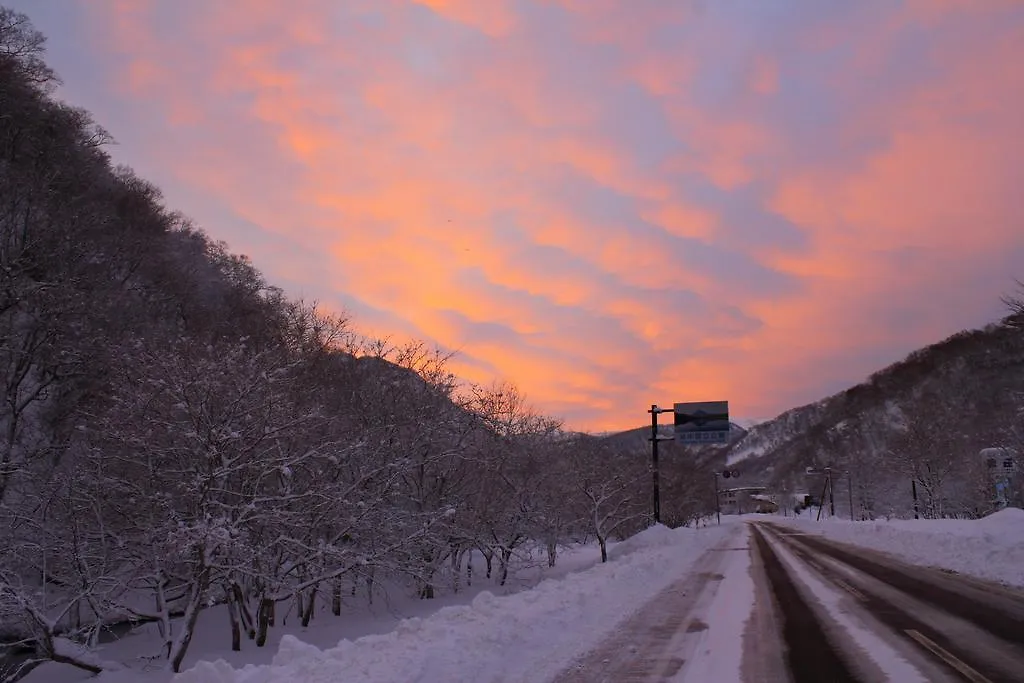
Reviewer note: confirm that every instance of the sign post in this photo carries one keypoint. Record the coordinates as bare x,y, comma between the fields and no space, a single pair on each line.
654,439
698,423
718,505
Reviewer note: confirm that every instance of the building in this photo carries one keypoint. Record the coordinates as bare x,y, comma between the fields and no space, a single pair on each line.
1003,467
740,500
764,504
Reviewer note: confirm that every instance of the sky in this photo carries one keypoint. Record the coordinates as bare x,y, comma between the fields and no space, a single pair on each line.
607,203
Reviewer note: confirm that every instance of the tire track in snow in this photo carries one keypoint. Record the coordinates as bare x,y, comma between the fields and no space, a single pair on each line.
811,656
1001,614
654,643
917,606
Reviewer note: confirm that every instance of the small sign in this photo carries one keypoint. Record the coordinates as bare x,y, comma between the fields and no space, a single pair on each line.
701,437
706,422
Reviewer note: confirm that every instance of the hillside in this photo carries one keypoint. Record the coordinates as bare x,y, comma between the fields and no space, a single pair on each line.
925,417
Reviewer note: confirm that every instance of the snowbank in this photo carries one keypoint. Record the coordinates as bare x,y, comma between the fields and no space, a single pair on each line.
1007,520
657,536
989,548
528,636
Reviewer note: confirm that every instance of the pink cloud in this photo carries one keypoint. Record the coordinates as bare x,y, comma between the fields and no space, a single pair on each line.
494,18
572,191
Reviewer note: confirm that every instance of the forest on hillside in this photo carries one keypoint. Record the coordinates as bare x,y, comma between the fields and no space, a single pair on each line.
177,432
909,440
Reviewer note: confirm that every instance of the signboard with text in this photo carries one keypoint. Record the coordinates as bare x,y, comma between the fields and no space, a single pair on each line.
705,422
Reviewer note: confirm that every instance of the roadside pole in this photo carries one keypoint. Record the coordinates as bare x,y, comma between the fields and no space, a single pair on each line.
849,490
700,423
654,439
718,506
654,462
831,493
824,492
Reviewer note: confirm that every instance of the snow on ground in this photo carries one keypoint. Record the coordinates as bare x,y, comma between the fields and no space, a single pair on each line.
528,636
391,605
480,633
719,655
989,548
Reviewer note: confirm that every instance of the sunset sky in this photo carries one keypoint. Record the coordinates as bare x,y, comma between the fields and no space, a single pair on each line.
608,203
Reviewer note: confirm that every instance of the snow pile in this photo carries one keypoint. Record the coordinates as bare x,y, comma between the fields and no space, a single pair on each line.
657,536
989,548
528,636
1008,521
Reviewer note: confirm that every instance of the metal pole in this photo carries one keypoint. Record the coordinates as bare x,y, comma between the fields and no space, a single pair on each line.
821,501
718,507
913,489
849,489
654,462
831,495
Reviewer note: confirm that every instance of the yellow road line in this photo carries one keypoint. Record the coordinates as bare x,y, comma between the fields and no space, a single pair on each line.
943,654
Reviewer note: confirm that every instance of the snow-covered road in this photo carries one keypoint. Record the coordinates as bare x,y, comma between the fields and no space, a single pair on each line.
670,637
773,604
852,614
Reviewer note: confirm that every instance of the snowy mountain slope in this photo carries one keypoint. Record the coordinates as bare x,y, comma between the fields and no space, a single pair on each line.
766,437
977,375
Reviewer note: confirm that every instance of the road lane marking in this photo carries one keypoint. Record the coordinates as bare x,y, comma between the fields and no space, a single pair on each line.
943,654
849,589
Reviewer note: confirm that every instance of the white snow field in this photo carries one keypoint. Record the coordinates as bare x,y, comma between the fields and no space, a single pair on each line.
990,548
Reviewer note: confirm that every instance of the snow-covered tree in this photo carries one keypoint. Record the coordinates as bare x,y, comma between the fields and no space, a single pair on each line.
609,486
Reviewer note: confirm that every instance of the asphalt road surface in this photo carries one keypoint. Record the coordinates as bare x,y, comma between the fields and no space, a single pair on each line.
949,627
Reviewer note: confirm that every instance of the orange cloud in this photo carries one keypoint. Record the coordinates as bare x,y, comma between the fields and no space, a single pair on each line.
494,18
607,204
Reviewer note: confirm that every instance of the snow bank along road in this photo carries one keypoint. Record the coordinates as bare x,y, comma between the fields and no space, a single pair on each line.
850,614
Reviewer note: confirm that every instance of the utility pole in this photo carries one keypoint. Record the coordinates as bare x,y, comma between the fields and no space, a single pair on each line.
831,492
718,507
849,490
654,411
824,492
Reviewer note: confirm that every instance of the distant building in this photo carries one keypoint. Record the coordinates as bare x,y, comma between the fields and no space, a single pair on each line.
764,504
740,500
1003,467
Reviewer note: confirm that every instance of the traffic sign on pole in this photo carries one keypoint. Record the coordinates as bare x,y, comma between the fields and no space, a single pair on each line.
705,422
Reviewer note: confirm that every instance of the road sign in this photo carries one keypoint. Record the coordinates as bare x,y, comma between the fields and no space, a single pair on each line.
706,422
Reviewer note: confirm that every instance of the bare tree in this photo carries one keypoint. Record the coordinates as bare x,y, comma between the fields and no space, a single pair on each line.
22,44
933,451
609,487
